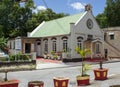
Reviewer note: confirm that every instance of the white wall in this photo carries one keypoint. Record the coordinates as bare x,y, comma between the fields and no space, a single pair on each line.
80,29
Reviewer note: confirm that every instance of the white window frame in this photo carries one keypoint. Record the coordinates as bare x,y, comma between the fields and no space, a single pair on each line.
80,44
46,45
65,44
54,45
97,48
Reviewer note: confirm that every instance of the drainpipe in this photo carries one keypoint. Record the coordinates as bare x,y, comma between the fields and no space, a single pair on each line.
72,35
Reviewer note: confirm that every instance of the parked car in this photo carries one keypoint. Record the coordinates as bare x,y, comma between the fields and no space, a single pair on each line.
3,56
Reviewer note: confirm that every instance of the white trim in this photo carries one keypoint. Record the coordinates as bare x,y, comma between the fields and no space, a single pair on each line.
97,40
111,33
81,18
36,29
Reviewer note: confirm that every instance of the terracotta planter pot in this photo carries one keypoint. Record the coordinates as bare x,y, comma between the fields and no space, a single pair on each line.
83,80
100,74
36,84
10,83
60,82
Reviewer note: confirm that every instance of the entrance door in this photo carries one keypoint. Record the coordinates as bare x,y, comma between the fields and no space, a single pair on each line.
27,47
106,53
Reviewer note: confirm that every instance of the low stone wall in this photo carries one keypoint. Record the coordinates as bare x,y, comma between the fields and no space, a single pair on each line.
8,66
72,60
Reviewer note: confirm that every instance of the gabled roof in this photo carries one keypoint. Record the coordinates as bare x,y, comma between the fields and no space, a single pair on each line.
56,27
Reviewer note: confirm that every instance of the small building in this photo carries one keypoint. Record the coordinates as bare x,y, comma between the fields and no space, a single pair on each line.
112,42
64,34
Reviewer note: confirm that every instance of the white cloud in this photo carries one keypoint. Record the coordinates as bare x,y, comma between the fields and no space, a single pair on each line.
77,5
38,8
41,8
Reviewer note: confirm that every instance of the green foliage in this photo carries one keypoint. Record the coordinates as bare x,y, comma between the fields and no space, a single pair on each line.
19,57
64,50
52,52
83,53
55,56
17,20
3,44
45,53
111,15
102,20
86,67
2,59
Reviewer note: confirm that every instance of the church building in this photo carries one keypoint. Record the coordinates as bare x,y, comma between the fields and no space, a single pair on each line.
65,34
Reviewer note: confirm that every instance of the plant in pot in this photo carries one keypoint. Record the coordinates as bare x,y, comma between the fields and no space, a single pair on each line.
64,53
52,53
45,55
9,83
100,73
84,78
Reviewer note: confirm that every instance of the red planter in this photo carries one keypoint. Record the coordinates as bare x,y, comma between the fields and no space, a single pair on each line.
100,74
10,83
60,82
36,84
83,81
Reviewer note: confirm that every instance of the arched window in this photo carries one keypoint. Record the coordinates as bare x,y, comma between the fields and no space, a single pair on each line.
46,45
38,41
79,42
54,44
65,43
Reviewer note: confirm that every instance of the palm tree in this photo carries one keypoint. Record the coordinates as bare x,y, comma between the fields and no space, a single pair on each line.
83,53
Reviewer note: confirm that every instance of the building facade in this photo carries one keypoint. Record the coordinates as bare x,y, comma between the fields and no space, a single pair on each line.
112,42
65,34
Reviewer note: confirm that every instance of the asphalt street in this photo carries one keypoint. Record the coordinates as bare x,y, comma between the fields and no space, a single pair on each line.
46,71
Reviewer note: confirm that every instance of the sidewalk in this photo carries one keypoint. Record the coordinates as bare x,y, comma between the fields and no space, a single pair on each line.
112,80
47,63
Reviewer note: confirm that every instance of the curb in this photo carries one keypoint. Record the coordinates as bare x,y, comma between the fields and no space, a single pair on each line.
93,63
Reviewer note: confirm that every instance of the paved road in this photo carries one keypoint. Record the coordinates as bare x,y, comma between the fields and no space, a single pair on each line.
67,70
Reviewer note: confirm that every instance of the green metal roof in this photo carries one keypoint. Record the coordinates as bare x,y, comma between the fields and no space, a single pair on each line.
55,27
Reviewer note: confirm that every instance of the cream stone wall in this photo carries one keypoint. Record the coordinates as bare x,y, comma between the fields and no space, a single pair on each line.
113,45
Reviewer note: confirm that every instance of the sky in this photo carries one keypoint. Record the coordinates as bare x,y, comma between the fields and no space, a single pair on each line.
70,6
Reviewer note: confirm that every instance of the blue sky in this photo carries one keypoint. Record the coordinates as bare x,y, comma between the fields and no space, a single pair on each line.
71,6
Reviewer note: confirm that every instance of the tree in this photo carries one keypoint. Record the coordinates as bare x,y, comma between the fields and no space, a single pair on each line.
14,16
112,12
110,17
46,15
5,8
102,20
83,53
3,44
17,20
20,15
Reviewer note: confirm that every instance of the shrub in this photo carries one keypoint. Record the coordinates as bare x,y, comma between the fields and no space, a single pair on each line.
19,57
